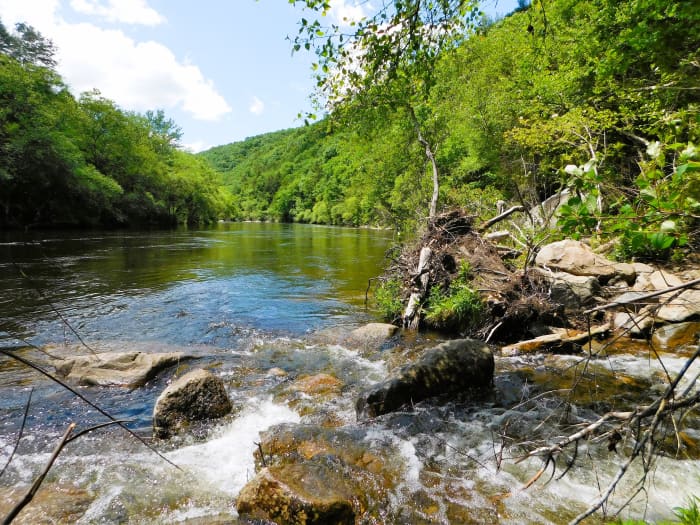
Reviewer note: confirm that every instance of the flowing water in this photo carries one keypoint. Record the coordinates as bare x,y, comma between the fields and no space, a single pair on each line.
263,305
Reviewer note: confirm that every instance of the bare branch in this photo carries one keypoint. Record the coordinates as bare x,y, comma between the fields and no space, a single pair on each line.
40,478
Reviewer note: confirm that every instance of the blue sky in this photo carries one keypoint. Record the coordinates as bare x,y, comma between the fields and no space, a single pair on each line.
222,69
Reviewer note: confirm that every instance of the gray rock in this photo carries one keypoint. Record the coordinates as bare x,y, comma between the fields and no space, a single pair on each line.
198,395
682,308
311,494
544,214
637,324
454,366
373,333
633,301
571,291
577,258
116,368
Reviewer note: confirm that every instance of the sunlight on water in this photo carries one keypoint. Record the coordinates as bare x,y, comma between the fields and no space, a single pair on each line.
226,460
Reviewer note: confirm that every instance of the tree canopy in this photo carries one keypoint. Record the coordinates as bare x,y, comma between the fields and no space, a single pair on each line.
76,162
599,97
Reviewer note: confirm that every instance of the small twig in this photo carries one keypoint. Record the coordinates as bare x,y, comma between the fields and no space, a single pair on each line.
21,431
262,454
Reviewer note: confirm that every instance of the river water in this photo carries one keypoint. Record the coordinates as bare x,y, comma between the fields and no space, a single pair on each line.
249,299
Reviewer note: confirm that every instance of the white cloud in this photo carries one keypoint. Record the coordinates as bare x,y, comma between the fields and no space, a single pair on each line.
40,14
136,75
257,106
125,11
196,146
347,11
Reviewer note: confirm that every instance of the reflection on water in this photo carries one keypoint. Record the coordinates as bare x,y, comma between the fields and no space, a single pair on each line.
246,299
174,286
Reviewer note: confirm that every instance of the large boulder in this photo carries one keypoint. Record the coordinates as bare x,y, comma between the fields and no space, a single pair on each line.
303,494
684,307
129,369
198,395
654,280
571,291
577,258
452,367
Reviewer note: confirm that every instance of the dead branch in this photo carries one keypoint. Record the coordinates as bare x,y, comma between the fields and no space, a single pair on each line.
644,297
666,405
499,218
40,478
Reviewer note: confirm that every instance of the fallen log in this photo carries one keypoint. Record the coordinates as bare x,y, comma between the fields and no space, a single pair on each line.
568,341
411,315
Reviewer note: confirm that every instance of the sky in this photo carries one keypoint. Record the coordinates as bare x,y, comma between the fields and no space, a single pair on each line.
223,70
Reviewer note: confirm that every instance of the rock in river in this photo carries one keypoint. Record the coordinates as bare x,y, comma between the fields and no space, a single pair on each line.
116,368
303,494
452,367
196,396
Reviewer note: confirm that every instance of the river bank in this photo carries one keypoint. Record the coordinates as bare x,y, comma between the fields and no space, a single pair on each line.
445,460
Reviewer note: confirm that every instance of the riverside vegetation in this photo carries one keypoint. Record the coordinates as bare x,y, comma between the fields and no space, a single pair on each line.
594,103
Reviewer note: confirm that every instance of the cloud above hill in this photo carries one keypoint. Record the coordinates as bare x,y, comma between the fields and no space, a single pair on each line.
137,75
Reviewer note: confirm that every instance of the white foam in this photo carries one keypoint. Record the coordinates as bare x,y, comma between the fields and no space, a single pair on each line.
226,461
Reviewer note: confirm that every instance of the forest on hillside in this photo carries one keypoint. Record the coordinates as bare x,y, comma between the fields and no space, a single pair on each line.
67,161
597,97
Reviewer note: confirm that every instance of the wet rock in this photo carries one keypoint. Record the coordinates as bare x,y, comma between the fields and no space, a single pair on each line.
289,443
372,333
637,324
54,503
452,367
564,341
571,291
304,494
276,372
577,258
319,384
684,307
130,369
196,396
672,336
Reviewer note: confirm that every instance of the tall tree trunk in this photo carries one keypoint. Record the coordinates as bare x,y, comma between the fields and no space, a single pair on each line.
432,212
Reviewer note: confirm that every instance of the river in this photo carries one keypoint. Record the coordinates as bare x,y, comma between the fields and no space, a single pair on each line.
246,299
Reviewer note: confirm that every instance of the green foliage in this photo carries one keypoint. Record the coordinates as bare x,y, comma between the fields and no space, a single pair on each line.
659,216
388,299
458,307
689,515
87,162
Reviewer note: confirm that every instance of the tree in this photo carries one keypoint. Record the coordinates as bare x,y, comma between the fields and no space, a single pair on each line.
28,46
387,62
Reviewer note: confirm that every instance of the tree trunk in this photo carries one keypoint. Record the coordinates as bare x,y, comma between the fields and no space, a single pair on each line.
432,212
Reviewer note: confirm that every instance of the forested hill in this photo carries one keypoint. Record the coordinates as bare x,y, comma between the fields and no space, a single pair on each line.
597,96
86,162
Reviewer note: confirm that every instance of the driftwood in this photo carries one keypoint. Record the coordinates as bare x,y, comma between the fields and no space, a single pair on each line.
499,218
411,316
559,342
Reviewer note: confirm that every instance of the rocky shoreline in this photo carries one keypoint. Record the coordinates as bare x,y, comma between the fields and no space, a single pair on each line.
321,472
